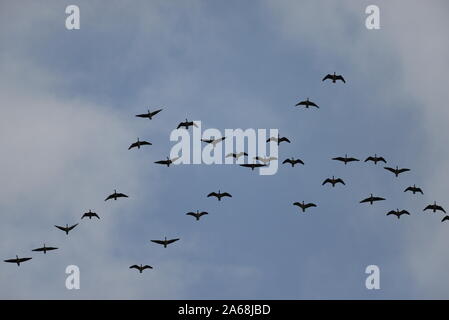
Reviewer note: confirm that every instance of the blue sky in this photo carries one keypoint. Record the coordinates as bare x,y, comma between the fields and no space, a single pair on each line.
68,100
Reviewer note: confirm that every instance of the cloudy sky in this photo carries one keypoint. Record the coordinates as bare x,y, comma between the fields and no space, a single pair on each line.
68,100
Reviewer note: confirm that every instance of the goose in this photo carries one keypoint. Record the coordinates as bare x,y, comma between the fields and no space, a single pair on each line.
219,195
164,242
278,140
253,165
306,103
371,199
186,124
213,142
139,143
66,229
197,214
90,215
396,171
44,249
265,160
345,159
17,260
141,267
375,159
236,155
167,162
334,77
293,161
398,213
333,181
434,207
116,195
149,115
304,206
414,189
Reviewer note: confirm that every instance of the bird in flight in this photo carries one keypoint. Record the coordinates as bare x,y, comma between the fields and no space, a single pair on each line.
371,199
293,161
307,103
186,124
164,242
253,165
345,159
304,206
219,195
90,215
236,155
116,195
414,189
167,162
333,181
17,260
278,140
44,249
141,267
139,143
445,218
434,207
396,171
398,213
334,77
149,115
213,142
66,229
197,214
375,159
265,160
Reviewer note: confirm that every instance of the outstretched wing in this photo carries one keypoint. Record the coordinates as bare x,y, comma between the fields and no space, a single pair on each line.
155,112
133,145
409,189
297,204
72,227
382,159
310,205
207,140
135,266
161,162
352,159
272,139
390,169
404,212
212,194
340,181
145,143
122,195
365,200
158,241
377,198
339,77
327,181
284,139
111,196
339,159
369,159
202,213
171,241
391,212
146,267
445,218
181,124
403,170
328,76
225,194
440,208
23,259
287,161
60,228
193,214
299,161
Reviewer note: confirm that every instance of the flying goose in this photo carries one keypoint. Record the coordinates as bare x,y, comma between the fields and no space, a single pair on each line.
141,267
44,249
253,165
149,115
414,189
278,140
66,229
214,142
139,143
334,77
116,195
164,242
434,207
306,103
375,159
197,214
345,159
219,195
293,161
396,171
186,124
333,181
167,162
304,206
265,160
17,260
398,213
90,215
236,155
371,199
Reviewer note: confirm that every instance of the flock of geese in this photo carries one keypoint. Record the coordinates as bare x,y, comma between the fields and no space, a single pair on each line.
261,162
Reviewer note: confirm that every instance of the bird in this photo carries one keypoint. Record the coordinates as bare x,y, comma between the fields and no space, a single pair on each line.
90,214
376,159
149,115
293,161
164,242
278,140
306,103
265,160
334,77
116,195
445,218
17,260
396,171
304,206
141,267
197,214
345,159
167,162
414,189
219,195
186,124
434,207
213,142
398,213
236,155
66,229
371,199
253,165
44,249
139,143
333,181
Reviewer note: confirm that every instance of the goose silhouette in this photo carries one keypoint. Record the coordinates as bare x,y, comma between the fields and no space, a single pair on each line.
149,115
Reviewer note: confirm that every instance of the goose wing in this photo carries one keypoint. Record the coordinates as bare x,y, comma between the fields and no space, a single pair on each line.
390,169
310,205
340,77
440,208
369,159
339,181
158,241
207,140
352,159
145,143
339,159
299,204
287,161
328,76
327,181
121,195
378,199
133,145
181,124
212,194
403,170
382,159
171,241
135,266
23,259
111,196
193,214
404,212
429,207
409,189
225,194
155,112
365,200
272,139
61,228
146,267
202,213
392,212
284,139
162,162
72,227
445,218
299,161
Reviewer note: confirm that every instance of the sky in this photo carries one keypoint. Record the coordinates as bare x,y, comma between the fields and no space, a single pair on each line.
68,101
